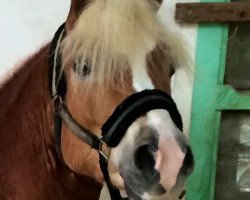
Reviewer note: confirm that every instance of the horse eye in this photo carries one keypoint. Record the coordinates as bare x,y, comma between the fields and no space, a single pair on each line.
82,67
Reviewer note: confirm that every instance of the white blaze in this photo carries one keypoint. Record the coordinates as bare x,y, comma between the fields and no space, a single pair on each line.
169,156
141,80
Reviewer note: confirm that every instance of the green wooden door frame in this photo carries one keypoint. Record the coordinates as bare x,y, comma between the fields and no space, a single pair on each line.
210,97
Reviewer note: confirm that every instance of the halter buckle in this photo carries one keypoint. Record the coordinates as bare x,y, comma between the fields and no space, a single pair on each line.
182,195
104,149
57,99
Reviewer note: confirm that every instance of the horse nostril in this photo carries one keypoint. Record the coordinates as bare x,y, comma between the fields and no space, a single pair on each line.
188,163
144,161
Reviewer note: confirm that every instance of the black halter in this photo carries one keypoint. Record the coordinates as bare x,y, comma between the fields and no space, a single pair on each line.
115,127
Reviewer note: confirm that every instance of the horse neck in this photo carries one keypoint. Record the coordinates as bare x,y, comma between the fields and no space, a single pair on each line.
25,101
26,130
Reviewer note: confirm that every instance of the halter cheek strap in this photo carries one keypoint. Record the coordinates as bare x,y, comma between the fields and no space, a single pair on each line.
58,89
115,127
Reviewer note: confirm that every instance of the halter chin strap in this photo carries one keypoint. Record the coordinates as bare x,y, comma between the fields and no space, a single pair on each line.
115,127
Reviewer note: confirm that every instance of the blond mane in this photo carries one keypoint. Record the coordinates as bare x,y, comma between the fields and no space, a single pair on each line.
110,34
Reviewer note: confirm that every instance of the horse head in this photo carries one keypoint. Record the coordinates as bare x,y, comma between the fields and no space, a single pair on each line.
112,50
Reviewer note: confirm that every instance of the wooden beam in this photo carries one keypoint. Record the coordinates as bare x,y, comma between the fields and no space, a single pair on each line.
212,12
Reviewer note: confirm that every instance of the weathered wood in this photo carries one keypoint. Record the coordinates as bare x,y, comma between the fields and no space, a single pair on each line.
212,12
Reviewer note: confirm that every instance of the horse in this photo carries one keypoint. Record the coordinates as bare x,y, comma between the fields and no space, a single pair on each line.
94,106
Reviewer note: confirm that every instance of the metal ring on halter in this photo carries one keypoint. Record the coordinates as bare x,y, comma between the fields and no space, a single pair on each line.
57,101
105,152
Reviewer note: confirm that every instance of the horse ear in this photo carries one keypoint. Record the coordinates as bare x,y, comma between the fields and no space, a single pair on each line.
75,10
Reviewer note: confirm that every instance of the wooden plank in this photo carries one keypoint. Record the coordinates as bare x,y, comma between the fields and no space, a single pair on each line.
212,12
229,99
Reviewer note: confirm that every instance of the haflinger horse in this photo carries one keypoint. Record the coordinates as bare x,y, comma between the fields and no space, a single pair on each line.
94,106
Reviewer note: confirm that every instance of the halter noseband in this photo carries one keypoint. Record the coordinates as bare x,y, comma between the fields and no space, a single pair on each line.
115,127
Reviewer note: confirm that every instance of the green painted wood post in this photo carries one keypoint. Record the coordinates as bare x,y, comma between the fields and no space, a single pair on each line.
205,118
210,97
